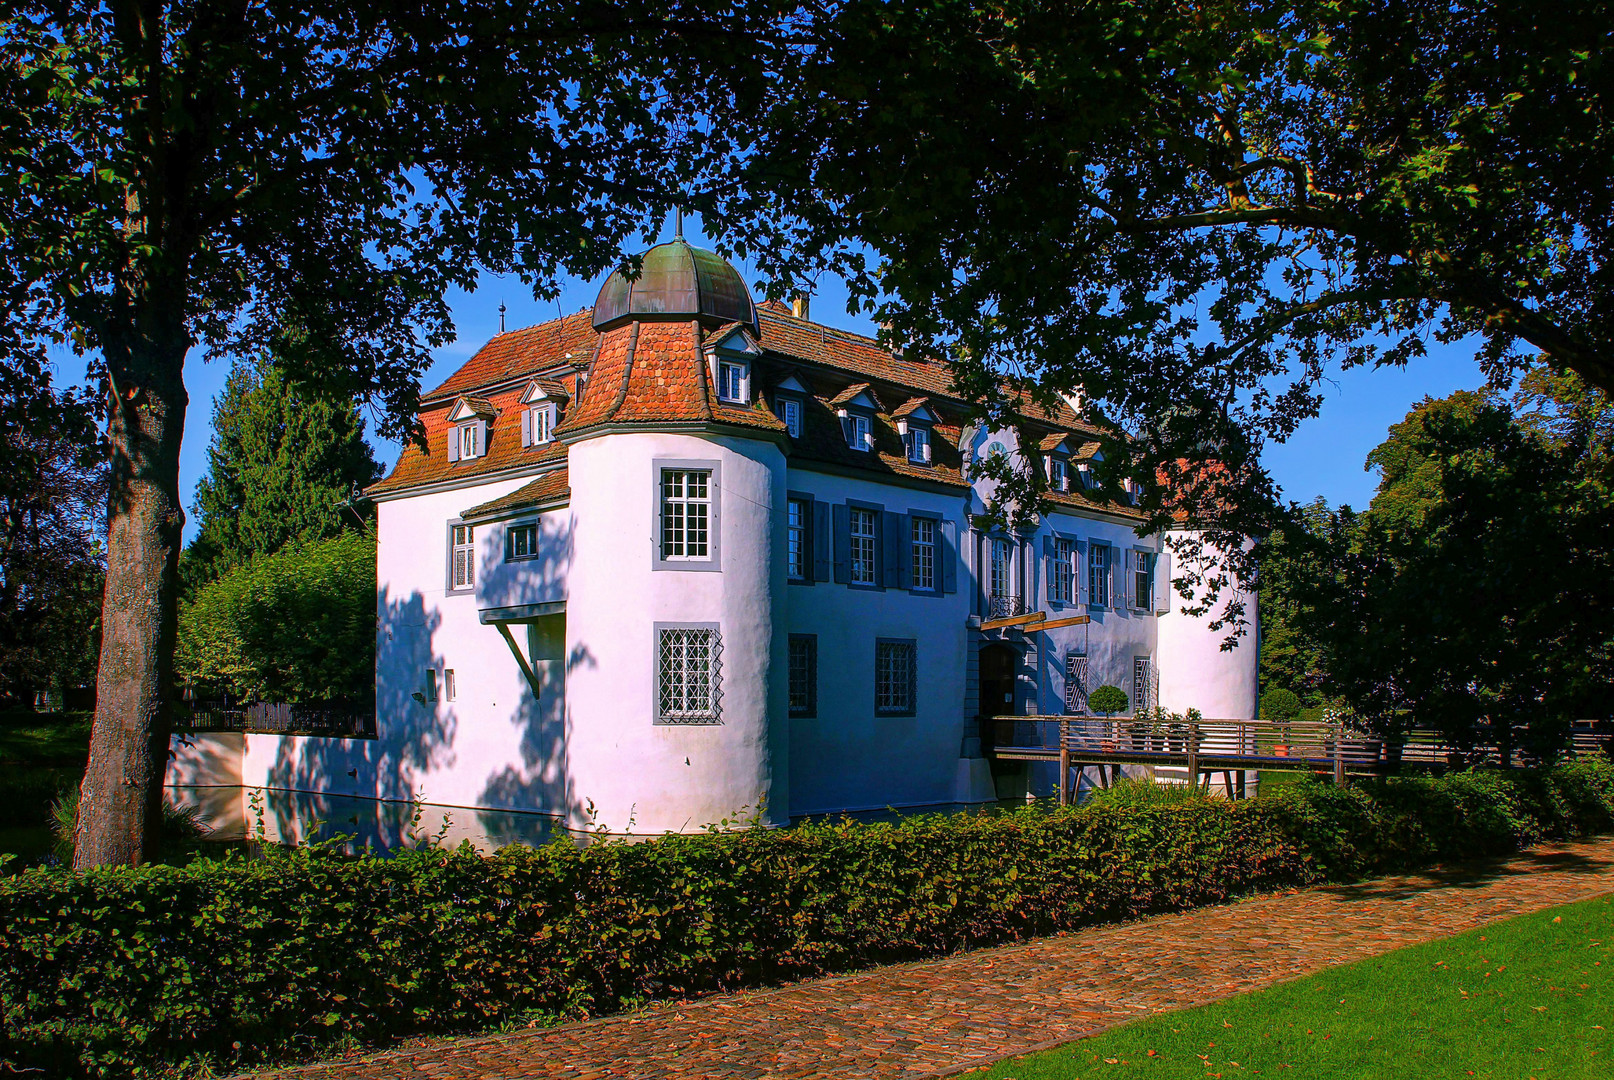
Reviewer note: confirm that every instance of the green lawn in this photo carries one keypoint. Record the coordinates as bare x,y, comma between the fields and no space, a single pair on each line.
1532,997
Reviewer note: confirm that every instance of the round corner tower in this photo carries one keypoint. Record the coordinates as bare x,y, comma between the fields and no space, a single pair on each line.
675,655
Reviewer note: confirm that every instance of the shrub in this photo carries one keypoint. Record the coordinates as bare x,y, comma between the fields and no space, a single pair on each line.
1108,700
1129,791
298,625
124,971
1279,706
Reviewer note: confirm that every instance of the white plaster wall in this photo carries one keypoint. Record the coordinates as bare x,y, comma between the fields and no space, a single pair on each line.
495,745
1221,685
674,777
847,758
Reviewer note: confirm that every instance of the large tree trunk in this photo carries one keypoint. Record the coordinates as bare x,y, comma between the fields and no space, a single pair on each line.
120,802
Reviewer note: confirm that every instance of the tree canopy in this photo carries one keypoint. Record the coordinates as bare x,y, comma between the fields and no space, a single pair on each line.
1194,212
311,178
52,504
1475,595
285,464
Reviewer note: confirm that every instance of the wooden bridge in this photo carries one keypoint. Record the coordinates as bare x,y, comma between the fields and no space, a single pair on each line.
1235,747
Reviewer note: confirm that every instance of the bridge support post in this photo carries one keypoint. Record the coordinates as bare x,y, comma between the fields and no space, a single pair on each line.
1193,756
1339,756
1064,762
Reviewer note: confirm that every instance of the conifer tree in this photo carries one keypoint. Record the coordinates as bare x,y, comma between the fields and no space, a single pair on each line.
285,464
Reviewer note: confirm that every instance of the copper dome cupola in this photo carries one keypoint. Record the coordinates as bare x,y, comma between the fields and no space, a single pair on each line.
677,281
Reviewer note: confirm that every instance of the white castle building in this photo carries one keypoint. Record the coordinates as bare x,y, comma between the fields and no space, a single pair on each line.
682,555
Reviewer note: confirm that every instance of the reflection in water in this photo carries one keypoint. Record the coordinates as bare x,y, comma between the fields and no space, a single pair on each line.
296,817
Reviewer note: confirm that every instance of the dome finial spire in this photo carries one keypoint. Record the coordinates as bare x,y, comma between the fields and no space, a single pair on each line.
678,219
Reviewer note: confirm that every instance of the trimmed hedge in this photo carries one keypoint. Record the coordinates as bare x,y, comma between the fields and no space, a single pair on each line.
232,962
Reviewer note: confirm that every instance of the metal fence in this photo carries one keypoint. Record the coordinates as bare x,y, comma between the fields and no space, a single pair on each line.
345,719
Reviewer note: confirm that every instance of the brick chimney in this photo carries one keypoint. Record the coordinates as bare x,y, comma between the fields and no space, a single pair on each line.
799,305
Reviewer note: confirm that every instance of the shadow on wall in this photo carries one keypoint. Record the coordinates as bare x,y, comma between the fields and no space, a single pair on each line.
413,736
543,779
540,579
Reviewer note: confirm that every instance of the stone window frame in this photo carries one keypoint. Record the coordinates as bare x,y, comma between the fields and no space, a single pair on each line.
714,549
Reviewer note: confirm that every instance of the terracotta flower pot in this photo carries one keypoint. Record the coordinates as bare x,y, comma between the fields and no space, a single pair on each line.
1281,750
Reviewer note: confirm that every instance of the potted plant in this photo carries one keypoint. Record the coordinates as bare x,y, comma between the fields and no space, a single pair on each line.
1107,701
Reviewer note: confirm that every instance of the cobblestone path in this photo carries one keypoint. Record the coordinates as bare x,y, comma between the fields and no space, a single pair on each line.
936,1017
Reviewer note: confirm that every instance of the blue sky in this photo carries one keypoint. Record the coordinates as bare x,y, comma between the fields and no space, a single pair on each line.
1325,457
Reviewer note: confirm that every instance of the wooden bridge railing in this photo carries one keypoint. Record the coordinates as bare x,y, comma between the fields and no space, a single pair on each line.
1209,746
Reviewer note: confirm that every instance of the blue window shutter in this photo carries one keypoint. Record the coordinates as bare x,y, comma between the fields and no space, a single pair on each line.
1162,581
481,437
843,544
823,552
1079,589
894,528
947,554
454,443
1049,577
526,427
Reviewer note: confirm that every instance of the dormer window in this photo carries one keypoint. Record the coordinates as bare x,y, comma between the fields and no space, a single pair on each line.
538,425
788,409
733,382
858,434
918,440
856,407
790,404
540,411
1058,474
914,419
468,433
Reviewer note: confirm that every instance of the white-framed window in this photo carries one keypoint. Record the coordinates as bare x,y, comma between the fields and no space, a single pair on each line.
863,545
521,541
896,677
1000,581
1143,695
788,409
918,440
461,556
689,674
1075,684
539,422
798,537
431,684
924,554
466,434
1062,571
733,379
450,691
1058,474
857,431
686,514
1098,575
1142,579
803,675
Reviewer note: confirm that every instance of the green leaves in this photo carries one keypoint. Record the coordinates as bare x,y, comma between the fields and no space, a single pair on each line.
121,972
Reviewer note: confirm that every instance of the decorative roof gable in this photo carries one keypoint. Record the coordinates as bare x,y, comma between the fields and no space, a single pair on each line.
544,390
472,408
917,410
856,396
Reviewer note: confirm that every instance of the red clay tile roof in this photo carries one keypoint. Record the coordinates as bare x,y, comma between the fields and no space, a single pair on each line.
550,487
481,406
430,466
853,391
521,352
656,372
553,387
909,407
